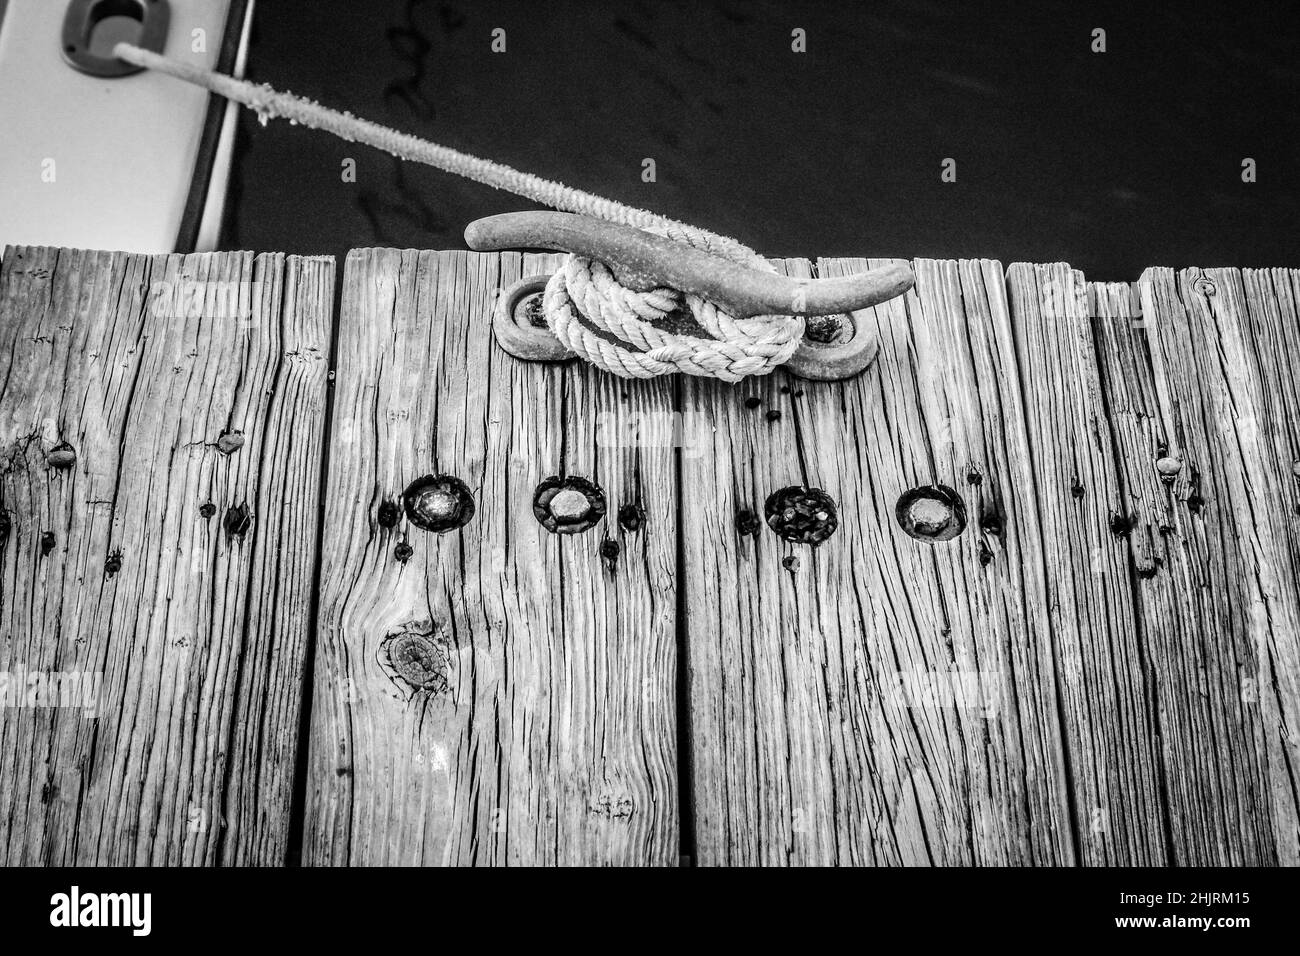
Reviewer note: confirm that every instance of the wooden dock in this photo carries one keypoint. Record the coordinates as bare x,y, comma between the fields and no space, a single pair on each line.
202,464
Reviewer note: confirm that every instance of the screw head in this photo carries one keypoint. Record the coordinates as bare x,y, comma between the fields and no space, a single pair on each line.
1168,466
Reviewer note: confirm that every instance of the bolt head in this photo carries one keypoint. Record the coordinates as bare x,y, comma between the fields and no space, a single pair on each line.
825,329
801,515
438,503
529,311
568,505
931,513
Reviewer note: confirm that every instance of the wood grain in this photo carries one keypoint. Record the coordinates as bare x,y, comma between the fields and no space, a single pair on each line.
1107,716
152,369
1215,548
881,700
1102,669
546,733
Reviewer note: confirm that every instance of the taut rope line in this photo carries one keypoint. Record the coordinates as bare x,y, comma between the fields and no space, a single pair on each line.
616,328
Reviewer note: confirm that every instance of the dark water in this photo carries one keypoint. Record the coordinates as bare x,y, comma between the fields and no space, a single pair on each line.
1111,161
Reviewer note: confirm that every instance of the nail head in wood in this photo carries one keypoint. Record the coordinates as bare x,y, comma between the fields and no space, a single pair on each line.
230,442
61,456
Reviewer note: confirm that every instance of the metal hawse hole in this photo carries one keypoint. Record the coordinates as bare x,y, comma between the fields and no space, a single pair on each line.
91,28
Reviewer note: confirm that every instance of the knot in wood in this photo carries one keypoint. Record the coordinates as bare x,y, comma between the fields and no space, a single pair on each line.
389,514
631,517
237,520
416,655
747,523
931,513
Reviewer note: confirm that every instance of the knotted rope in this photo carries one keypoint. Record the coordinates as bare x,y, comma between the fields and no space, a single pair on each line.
644,334
629,333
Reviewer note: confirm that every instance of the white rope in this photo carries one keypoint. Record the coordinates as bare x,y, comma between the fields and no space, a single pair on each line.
583,289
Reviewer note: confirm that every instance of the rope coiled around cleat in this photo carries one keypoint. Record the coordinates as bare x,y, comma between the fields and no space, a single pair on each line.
643,334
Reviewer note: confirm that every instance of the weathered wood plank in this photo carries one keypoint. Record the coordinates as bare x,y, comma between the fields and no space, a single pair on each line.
188,388
1215,551
546,731
1106,714
877,699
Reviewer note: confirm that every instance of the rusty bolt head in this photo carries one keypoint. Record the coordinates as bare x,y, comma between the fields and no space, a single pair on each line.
1168,466
825,329
61,455
931,513
802,515
568,505
438,503
230,442
529,311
